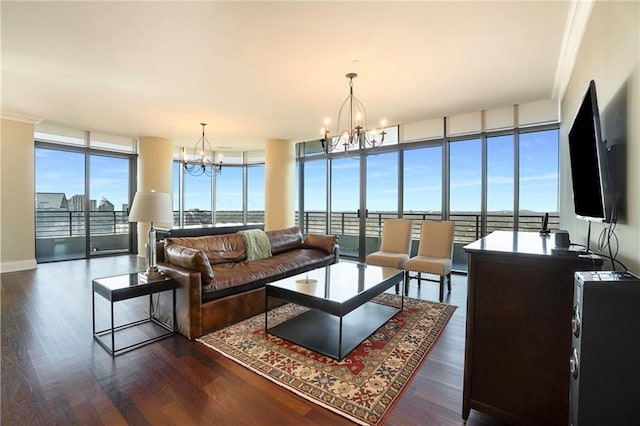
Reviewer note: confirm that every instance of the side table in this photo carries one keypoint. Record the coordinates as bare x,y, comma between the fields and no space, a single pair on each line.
123,287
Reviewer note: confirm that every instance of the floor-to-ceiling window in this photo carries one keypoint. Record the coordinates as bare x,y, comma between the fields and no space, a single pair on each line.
465,194
478,181
175,188
109,204
197,199
500,183
60,204
315,197
345,203
422,187
539,165
82,195
382,195
255,193
229,209
234,194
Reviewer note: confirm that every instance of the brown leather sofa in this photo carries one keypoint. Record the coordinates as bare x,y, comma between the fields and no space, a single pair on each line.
218,286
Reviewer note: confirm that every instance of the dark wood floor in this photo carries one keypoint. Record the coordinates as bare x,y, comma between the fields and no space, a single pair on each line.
53,372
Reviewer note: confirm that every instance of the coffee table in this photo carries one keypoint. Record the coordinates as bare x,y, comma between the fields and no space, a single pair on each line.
342,314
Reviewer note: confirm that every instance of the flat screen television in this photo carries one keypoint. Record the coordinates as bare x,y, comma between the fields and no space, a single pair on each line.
593,197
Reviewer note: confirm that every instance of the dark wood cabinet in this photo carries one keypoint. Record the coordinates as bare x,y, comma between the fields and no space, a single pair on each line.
518,341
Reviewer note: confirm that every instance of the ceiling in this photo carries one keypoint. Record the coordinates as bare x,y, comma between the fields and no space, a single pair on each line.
256,71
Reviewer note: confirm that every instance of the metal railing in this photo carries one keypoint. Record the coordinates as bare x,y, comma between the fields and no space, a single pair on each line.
468,225
72,224
53,223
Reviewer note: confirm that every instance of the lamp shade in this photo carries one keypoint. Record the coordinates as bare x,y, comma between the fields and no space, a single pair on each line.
151,207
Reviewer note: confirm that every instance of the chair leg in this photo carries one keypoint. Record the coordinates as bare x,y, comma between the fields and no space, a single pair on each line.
441,287
406,283
449,281
419,278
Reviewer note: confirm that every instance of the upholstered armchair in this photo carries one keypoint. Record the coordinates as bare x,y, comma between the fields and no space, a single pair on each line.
395,245
435,253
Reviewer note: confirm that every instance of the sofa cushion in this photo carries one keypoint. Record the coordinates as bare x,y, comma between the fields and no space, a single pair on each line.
190,258
218,248
326,243
282,240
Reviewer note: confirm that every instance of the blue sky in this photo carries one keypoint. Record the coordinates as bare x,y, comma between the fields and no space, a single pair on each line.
63,171
422,178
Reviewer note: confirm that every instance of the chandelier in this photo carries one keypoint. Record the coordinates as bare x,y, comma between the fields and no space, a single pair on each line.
355,134
201,162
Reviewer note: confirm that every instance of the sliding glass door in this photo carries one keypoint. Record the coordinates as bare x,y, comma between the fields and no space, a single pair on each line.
382,196
82,202
345,204
60,198
109,204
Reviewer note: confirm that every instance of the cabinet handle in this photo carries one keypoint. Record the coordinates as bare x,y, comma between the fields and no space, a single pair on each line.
573,364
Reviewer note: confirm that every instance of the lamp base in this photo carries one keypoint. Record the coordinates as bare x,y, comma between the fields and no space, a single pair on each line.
150,275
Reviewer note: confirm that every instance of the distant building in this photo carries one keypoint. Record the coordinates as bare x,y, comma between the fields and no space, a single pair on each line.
125,207
92,205
76,203
105,205
52,201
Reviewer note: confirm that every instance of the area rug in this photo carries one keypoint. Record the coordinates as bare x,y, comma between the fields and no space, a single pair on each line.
366,384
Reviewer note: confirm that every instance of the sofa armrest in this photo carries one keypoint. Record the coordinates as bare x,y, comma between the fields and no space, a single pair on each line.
188,300
326,243
191,259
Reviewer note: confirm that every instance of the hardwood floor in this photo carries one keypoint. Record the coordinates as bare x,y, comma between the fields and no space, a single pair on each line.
53,372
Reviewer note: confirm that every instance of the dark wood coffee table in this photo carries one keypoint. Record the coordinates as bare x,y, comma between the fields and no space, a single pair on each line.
342,314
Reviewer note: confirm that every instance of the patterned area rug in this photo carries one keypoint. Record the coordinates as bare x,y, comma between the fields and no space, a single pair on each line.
366,384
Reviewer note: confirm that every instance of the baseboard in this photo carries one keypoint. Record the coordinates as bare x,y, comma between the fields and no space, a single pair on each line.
19,265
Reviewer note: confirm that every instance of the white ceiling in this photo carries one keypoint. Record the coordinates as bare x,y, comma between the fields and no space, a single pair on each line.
264,70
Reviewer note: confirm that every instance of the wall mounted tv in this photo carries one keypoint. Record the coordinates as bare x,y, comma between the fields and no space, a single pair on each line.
593,196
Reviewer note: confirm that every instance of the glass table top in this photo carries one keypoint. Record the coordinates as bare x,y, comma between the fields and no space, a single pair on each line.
338,282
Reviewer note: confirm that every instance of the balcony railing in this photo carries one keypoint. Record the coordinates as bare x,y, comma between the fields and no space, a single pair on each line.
467,229
72,224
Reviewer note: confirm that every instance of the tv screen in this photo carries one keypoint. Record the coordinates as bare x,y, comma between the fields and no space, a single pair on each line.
588,156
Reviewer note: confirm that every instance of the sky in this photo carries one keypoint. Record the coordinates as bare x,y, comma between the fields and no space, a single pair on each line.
422,178
63,171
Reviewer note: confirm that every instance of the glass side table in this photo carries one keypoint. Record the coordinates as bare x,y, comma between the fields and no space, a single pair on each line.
123,287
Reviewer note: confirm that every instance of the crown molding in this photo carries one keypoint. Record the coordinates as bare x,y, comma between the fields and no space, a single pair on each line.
22,118
575,27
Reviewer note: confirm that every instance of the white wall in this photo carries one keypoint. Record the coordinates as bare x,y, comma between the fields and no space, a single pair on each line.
17,193
609,54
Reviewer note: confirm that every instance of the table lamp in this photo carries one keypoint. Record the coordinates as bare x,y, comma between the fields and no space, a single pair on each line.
151,207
